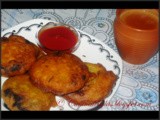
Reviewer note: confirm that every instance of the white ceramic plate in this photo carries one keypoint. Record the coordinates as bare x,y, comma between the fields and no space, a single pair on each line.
90,50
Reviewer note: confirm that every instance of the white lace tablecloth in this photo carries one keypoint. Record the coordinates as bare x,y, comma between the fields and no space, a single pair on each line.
139,87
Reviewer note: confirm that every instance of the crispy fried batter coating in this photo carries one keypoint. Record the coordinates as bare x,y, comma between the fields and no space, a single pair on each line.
60,73
97,87
17,55
19,94
16,38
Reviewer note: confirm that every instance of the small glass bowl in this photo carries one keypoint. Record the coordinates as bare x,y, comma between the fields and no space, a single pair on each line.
51,25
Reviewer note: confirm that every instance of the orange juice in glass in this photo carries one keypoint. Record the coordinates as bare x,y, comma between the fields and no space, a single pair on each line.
136,34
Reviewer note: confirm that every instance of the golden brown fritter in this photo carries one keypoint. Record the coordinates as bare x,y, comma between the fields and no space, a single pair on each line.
17,38
19,94
17,55
60,73
97,87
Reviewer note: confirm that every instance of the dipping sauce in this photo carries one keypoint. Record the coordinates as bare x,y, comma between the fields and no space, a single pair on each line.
58,38
139,19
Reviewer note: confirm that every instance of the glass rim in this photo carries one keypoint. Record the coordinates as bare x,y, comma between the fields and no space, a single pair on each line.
57,24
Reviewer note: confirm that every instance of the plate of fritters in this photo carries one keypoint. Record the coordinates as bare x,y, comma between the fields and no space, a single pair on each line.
33,80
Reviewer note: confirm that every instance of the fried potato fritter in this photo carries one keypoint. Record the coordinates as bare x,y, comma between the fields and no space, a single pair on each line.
17,55
97,87
60,73
16,38
19,94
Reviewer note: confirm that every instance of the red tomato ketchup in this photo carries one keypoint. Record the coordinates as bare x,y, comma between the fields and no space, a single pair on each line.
59,38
